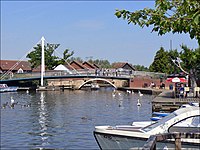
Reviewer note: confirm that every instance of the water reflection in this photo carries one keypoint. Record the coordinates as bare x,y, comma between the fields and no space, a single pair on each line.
43,120
66,120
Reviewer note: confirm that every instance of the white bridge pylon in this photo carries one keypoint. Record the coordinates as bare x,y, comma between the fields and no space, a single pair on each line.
42,62
41,41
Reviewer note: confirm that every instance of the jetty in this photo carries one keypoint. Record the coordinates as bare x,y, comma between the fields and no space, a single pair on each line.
166,101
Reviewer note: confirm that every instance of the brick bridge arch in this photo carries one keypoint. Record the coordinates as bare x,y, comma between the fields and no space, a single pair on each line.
97,79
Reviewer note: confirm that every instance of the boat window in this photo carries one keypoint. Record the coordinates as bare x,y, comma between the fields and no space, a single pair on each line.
196,121
191,124
158,123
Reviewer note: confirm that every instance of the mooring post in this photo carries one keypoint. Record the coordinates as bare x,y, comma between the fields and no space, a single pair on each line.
178,143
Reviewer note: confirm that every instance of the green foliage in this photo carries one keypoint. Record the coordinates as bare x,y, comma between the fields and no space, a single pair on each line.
51,61
66,56
161,62
191,61
172,55
140,68
176,16
78,59
101,63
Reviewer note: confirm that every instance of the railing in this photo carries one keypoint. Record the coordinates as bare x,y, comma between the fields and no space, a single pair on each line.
100,72
151,142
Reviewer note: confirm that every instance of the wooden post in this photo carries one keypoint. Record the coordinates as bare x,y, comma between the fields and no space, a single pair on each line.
178,143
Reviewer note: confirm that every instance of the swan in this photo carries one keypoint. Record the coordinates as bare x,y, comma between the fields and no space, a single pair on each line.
113,94
12,101
138,102
128,91
140,94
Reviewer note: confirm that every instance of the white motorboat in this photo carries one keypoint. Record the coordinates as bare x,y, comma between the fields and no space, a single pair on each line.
6,88
135,135
94,86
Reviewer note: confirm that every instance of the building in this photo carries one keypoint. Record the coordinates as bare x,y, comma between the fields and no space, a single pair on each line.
123,65
89,65
77,66
15,66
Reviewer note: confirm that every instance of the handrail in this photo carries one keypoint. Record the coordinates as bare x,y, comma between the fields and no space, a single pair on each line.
151,142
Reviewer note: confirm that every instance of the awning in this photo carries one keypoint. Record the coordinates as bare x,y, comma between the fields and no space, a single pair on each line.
176,79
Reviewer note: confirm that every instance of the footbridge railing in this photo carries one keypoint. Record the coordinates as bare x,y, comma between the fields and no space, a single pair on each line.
85,72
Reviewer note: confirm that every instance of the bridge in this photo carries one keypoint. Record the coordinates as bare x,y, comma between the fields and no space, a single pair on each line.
63,79
77,78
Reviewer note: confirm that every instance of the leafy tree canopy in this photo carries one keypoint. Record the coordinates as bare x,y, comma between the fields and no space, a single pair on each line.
176,16
78,59
160,63
189,62
140,68
51,61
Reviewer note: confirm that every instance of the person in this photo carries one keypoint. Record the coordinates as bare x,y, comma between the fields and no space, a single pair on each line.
162,85
181,91
152,85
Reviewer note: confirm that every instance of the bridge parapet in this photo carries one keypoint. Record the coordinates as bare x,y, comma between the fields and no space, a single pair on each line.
78,83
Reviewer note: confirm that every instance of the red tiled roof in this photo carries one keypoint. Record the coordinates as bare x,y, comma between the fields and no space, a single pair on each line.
77,65
68,66
96,66
88,65
14,65
118,65
122,65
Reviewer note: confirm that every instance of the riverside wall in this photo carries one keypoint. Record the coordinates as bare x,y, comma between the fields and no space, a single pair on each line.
141,81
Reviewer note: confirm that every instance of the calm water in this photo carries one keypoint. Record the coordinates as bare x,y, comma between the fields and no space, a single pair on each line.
66,120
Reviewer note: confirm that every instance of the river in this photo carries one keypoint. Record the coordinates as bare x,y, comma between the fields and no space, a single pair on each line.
66,119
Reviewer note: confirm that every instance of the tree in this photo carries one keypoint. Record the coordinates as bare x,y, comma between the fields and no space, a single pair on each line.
173,54
66,56
101,63
51,61
75,59
191,63
160,63
176,16
163,61
140,68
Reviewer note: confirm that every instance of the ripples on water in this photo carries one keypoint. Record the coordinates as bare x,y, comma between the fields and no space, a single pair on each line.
66,120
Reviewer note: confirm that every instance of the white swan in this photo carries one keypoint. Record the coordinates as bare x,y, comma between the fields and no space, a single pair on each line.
140,94
128,91
138,102
12,101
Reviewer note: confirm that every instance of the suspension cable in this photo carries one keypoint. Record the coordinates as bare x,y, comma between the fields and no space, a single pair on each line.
18,62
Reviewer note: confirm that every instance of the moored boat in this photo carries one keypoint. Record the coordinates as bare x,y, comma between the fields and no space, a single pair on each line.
6,88
135,135
94,86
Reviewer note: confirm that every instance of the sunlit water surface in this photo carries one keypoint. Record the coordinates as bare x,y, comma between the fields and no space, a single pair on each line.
66,120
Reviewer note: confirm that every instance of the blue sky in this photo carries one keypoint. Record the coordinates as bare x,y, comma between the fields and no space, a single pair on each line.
89,28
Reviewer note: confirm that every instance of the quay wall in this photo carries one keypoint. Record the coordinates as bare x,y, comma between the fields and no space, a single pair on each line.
141,81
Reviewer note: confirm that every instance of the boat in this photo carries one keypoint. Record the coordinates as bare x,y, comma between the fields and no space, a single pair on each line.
94,86
159,115
6,88
135,135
